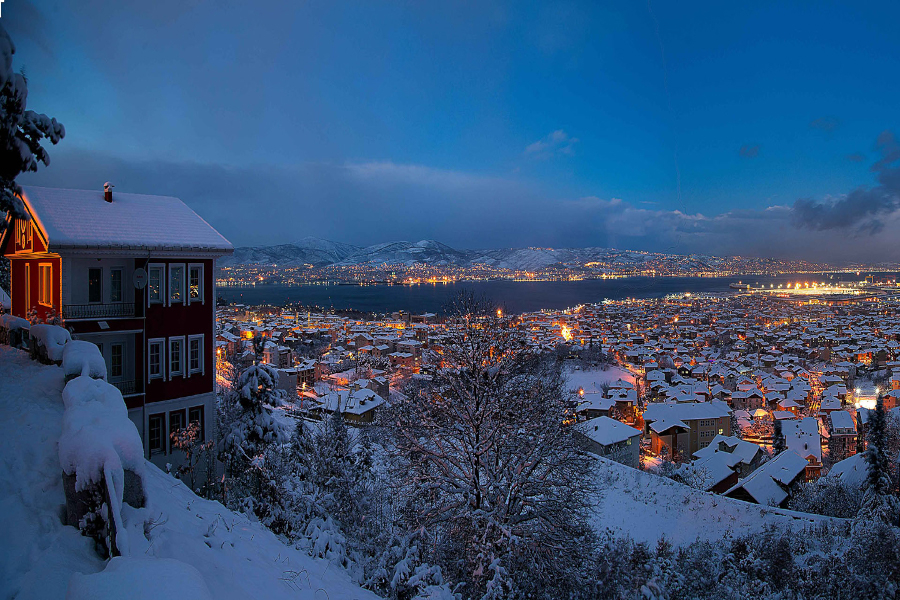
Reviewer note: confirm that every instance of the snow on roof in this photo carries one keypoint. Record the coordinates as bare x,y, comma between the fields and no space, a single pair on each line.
739,451
606,431
767,484
715,468
841,419
359,402
685,411
83,219
802,436
852,471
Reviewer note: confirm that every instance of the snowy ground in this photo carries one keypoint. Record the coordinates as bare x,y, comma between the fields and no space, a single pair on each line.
592,380
38,555
647,506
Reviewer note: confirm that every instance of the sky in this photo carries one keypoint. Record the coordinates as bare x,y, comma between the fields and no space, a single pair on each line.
759,128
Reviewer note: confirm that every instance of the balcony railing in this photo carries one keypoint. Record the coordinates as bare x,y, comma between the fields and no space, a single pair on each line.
98,311
126,387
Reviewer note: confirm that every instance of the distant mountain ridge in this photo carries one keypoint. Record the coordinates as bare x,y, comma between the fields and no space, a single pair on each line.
321,253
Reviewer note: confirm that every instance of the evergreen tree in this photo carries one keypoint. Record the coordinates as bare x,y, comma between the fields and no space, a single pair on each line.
879,504
779,444
21,133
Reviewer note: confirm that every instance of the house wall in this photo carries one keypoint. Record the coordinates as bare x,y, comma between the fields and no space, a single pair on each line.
75,282
140,416
21,291
176,320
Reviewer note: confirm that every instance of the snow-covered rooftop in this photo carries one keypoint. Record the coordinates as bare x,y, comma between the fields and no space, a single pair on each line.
606,431
83,219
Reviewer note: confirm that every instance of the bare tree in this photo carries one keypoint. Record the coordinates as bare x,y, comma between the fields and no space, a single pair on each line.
488,468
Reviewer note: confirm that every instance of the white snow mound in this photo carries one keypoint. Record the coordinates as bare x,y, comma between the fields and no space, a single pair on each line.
52,337
140,579
78,355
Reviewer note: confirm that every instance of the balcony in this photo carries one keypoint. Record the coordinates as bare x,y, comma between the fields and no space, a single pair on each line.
128,388
98,311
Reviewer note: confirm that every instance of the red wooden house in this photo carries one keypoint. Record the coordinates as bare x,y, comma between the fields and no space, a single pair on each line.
135,275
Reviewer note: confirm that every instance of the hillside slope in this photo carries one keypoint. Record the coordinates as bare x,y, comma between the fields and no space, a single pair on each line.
648,507
236,558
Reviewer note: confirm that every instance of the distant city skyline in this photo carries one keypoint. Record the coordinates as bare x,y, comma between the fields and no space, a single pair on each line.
762,130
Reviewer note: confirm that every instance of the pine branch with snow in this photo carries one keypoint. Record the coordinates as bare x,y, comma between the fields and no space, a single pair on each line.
22,133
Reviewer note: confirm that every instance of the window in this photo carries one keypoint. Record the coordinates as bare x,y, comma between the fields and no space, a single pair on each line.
156,423
176,421
115,285
45,284
195,283
155,359
156,293
195,415
176,283
27,286
176,357
116,356
95,285
195,354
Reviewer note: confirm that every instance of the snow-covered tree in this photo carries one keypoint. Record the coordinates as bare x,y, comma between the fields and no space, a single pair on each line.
251,436
779,444
486,465
879,504
21,132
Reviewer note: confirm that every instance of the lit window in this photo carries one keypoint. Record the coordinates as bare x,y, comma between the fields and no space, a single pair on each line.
45,284
195,283
176,283
155,281
115,285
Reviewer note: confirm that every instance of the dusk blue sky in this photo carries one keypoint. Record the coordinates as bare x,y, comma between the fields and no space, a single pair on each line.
485,124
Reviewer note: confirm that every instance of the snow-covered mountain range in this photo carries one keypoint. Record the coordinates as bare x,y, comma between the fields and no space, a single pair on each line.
321,253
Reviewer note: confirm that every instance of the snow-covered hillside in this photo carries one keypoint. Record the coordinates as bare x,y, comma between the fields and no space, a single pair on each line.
235,557
408,253
319,253
309,250
648,507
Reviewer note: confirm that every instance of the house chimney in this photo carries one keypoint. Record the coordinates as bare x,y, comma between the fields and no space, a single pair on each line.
107,191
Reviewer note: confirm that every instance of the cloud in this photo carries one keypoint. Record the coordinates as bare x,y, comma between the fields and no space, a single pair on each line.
557,142
748,151
370,202
856,157
864,210
826,124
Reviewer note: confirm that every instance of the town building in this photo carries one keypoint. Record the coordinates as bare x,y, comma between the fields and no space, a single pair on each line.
134,274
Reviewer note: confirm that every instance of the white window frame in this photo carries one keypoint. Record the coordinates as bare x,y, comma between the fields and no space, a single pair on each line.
172,267
121,375
162,283
164,421
162,358
201,370
180,372
42,288
121,284
202,298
